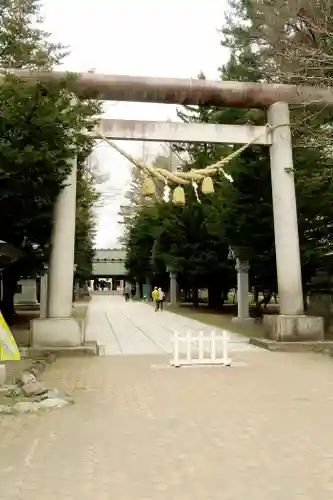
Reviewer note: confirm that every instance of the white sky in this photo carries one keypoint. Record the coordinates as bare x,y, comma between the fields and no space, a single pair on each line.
167,38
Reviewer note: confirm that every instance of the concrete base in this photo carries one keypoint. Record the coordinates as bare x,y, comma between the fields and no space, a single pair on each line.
306,346
87,349
293,328
243,321
27,307
56,332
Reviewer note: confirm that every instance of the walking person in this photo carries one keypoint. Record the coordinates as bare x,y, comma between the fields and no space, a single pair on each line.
155,295
161,296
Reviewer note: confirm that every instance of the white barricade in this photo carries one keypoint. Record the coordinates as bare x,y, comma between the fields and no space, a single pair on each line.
200,349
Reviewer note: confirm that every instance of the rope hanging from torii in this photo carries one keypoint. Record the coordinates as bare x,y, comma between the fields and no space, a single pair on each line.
193,176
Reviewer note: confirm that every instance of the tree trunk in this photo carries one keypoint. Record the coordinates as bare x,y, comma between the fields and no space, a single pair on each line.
195,296
256,296
224,296
187,297
214,296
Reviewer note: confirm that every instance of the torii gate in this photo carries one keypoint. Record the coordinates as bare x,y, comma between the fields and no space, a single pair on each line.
59,328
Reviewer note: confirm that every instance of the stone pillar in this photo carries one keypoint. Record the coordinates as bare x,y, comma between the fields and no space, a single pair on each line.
173,287
285,212
59,328
61,269
243,306
291,324
242,255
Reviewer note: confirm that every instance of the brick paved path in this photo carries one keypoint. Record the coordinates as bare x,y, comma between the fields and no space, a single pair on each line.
140,430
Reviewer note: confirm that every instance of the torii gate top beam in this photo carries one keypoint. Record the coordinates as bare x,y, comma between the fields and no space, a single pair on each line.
188,91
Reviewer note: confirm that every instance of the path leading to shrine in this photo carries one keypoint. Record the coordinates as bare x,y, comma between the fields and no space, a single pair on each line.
135,328
142,430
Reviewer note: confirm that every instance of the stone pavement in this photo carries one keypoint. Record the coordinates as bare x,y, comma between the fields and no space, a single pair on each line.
135,328
140,430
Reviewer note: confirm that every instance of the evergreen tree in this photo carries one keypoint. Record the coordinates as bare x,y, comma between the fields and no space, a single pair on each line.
86,199
273,41
240,213
40,131
23,42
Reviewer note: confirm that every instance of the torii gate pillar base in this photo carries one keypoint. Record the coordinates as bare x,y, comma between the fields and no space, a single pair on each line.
283,328
56,332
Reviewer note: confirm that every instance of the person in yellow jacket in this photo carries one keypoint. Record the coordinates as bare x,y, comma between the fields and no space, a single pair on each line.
155,294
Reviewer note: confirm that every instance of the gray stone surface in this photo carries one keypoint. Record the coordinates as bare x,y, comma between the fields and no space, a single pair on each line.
56,332
143,431
26,377
49,399
27,394
135,328
293,328
325,347
33,388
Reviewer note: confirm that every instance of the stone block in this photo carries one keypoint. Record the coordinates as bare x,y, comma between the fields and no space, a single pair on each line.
33,388
55,332
325,347
26,377
28,293
293,328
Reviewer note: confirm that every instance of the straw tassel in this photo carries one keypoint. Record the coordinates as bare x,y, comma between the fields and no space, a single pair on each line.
178,197
207,186
148,187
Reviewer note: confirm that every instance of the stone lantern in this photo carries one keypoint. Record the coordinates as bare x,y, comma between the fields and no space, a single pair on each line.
173,284
242,256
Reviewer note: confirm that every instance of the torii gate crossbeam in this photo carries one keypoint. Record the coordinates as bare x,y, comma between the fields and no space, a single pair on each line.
187,90
151,131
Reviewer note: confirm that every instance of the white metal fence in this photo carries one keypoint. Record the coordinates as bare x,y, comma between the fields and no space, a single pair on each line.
200,349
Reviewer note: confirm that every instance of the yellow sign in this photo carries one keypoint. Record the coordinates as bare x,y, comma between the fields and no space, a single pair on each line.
8,348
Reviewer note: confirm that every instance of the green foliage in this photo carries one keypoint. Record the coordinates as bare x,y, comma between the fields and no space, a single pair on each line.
195,239
86,198
247,24
183,238
38,128
40,131
23,42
